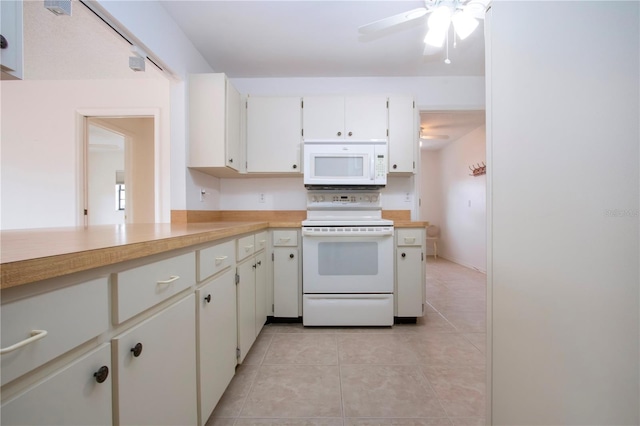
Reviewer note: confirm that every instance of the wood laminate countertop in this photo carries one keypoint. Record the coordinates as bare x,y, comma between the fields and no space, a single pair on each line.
31,255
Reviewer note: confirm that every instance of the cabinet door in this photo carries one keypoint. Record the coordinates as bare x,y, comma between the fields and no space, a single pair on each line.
403,135
261,291
217,340
366,117
286,287
274,133
323,117
233,108
410,281
158,386
71,396
246,302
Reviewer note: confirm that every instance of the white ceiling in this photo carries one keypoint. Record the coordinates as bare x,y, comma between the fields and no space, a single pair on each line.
317,38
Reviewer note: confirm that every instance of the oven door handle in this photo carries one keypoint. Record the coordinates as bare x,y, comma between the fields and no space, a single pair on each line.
361,234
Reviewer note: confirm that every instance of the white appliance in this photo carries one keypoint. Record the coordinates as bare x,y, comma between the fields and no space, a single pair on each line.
345,163
347,260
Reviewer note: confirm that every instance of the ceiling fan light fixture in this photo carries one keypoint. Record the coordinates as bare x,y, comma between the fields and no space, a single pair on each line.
435,37
440,18
463,24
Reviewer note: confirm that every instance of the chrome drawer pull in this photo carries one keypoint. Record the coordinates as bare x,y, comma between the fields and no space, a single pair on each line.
409,240
170,280
249,247
35,335
284,240
220,259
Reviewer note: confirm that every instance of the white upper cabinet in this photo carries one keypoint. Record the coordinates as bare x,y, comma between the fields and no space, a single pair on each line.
274,134
11,46
214,125
403,135
351,117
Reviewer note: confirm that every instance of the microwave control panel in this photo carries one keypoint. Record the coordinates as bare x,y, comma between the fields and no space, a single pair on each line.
381,166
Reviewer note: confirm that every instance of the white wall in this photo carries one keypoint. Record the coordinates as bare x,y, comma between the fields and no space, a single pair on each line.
461,200
41,147
563,132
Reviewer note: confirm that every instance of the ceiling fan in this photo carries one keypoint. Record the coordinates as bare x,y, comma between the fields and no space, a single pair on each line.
463,14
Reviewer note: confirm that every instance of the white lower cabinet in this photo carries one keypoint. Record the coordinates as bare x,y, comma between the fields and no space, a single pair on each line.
251,291
78,394
154,374
286,282
246,302
287,288
217,340
261,291
410,272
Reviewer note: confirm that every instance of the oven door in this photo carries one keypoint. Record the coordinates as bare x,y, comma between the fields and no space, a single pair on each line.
347,260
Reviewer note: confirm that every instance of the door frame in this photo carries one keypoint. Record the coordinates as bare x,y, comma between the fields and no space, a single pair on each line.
82,140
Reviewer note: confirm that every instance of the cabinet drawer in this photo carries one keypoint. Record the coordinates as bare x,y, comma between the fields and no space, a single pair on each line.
140,288
246,247
261,240
215,259
410,237
70,316
285,238
71,396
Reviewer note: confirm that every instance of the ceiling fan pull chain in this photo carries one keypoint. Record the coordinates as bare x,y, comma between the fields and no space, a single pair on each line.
447,60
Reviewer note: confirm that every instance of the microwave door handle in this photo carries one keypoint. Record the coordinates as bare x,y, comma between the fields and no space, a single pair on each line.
372,171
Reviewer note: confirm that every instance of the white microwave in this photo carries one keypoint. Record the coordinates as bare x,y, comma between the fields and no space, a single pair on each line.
345,163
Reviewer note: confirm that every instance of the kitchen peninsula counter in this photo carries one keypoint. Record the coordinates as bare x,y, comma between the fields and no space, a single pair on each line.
31,255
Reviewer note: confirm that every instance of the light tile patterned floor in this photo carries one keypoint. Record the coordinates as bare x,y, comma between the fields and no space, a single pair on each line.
429,373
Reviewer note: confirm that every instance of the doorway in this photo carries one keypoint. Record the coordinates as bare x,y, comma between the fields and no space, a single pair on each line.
119,170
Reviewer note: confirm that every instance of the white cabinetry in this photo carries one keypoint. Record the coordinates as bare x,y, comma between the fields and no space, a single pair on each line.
155,378
287,289
78,394
338,117
11,30
251,290
214,125
410,272
217,340
274,134
403,135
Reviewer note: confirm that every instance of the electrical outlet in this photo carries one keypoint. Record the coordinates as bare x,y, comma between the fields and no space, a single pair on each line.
407,197
262,198
202,194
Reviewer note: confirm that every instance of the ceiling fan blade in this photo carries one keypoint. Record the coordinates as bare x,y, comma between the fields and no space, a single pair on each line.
393,20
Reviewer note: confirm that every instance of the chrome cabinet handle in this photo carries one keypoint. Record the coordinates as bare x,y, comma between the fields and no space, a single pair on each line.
170,280
35,336
249,247
220,259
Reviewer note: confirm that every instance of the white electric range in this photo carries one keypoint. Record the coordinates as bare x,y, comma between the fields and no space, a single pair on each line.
347,260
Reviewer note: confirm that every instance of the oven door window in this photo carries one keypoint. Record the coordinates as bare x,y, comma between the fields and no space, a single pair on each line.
348,258
338,166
